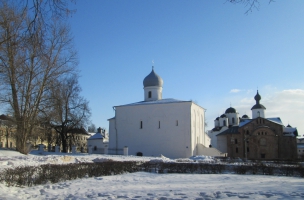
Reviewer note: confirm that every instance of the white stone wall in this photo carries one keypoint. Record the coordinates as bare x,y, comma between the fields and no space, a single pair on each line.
258,113
98,143
222,143
222,121
216,123
214,138
198,135
233,115
166,129
156,93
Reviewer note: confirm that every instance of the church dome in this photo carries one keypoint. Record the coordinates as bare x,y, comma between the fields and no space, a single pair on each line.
153,80
245,116
230,110
257,98
223,116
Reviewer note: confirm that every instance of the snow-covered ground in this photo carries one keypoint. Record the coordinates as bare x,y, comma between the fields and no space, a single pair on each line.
142,185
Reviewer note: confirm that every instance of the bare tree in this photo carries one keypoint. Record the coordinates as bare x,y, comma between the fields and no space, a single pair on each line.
250,4
29,62
92,128
70,110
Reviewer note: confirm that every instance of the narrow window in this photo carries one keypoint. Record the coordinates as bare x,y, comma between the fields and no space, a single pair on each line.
158,124
150,94
236,150
224,122
141,125
176,122
232,120
235,141
248,149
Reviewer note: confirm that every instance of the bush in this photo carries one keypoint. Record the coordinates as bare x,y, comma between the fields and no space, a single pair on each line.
35,175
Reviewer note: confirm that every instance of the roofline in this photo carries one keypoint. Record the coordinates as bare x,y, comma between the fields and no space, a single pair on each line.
135,104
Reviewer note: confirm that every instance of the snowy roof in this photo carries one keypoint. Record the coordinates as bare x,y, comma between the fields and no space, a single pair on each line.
161,101
289,131
96,136
244,122
276,120
232,130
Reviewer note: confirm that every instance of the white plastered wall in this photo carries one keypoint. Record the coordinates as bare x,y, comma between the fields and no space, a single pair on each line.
166,129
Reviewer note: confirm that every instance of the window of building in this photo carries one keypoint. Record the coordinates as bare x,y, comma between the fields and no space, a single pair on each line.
158,124
224,122
262,155
232,120
236,150
176,122
150,94
248,149
235,141
141,124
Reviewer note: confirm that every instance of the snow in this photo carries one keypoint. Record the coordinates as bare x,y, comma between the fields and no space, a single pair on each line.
142,185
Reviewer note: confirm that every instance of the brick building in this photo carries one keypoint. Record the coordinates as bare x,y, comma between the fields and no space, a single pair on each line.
256,138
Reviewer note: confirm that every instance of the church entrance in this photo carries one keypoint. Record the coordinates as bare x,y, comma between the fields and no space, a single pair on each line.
139,154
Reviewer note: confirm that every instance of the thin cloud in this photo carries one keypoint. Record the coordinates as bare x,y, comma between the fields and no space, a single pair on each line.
235,90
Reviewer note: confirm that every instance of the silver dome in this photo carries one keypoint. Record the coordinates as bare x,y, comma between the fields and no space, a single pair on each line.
153,80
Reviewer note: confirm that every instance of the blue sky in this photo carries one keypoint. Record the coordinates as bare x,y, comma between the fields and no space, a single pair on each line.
206,51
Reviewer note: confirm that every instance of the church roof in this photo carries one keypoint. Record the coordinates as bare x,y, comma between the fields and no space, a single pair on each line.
153,79
223,116
257,105
161,101
289,131
276,120
232,130
230,110
245,116
96,136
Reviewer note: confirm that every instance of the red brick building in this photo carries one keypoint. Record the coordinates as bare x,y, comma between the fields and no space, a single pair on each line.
260,137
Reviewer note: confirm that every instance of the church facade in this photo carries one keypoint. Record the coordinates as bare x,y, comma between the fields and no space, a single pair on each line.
256,138
156,126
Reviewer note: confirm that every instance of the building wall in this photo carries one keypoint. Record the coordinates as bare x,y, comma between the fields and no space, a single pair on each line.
7,139
198,129
170,129
265,141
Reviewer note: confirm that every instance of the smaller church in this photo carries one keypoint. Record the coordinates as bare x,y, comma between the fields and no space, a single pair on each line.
156,126
256,138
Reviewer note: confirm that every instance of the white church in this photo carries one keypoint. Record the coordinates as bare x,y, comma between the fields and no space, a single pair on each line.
156,126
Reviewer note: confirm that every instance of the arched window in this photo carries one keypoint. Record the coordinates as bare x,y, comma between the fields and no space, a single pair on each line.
150,94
